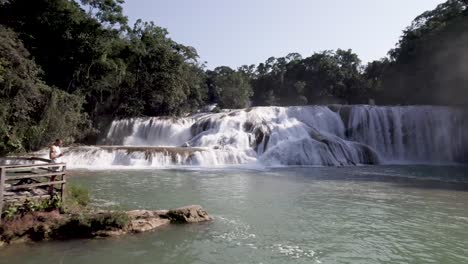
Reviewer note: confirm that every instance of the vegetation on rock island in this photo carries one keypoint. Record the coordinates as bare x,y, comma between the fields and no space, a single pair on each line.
66,66
50,219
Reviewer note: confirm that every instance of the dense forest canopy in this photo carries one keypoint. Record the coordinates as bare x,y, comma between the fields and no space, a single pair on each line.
430,63
67,66
32,114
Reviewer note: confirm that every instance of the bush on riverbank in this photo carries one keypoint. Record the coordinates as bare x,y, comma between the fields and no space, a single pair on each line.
89,224
15,209
77,200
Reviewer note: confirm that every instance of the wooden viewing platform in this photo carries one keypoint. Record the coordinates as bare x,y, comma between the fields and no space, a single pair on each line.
30,178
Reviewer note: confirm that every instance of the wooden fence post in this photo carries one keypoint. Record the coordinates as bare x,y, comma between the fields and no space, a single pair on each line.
2,188
64,179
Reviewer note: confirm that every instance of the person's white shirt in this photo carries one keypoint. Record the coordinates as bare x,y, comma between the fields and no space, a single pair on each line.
57,151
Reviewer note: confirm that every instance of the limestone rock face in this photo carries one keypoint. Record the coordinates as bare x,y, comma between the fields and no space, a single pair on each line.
189,214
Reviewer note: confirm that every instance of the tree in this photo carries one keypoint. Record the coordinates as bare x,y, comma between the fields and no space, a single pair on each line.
325,77
32,114
373,76
428,66
232,87
120,71
107,12
163,77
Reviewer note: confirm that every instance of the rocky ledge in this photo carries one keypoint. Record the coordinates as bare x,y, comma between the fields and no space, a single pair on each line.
39,226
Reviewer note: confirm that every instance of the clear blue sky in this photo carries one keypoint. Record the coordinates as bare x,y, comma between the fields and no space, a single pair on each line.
238,32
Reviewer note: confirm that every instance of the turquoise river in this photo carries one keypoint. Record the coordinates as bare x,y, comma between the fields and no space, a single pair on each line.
361,214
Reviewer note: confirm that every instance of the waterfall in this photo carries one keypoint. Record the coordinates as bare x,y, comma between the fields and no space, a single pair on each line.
277,136
411,134
149,131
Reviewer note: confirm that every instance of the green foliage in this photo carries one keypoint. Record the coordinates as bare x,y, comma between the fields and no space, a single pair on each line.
83,225
29,206
428,66
98,64
231,88
10,212
106,11
429,23
109,220
114,70
76,197
32,113
41,205
163,77
326,77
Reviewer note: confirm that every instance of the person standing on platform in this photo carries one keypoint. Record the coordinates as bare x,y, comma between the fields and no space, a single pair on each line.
55,153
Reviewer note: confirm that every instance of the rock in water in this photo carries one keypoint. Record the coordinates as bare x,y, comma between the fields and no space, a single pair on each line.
188,214
144,220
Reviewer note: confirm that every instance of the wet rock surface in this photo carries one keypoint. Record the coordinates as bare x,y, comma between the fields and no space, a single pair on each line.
39,226
188,214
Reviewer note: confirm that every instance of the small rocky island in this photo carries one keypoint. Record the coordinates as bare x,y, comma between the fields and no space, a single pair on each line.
40,226
33,207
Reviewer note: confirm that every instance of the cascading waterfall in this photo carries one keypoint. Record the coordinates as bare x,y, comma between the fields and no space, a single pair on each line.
150,131
411,134
277,136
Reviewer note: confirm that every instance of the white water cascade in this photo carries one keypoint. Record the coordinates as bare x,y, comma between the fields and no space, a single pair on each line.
412,134
279,136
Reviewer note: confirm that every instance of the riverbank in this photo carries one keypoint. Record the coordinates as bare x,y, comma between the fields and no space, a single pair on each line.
42,226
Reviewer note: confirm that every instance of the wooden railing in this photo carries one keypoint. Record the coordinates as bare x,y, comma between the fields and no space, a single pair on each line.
30,178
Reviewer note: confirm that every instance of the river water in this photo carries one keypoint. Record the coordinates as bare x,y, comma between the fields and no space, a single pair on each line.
362,214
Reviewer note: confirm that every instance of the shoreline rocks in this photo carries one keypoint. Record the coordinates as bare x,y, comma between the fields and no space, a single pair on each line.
42,226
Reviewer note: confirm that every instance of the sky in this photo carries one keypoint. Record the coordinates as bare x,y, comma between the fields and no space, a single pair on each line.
239,32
